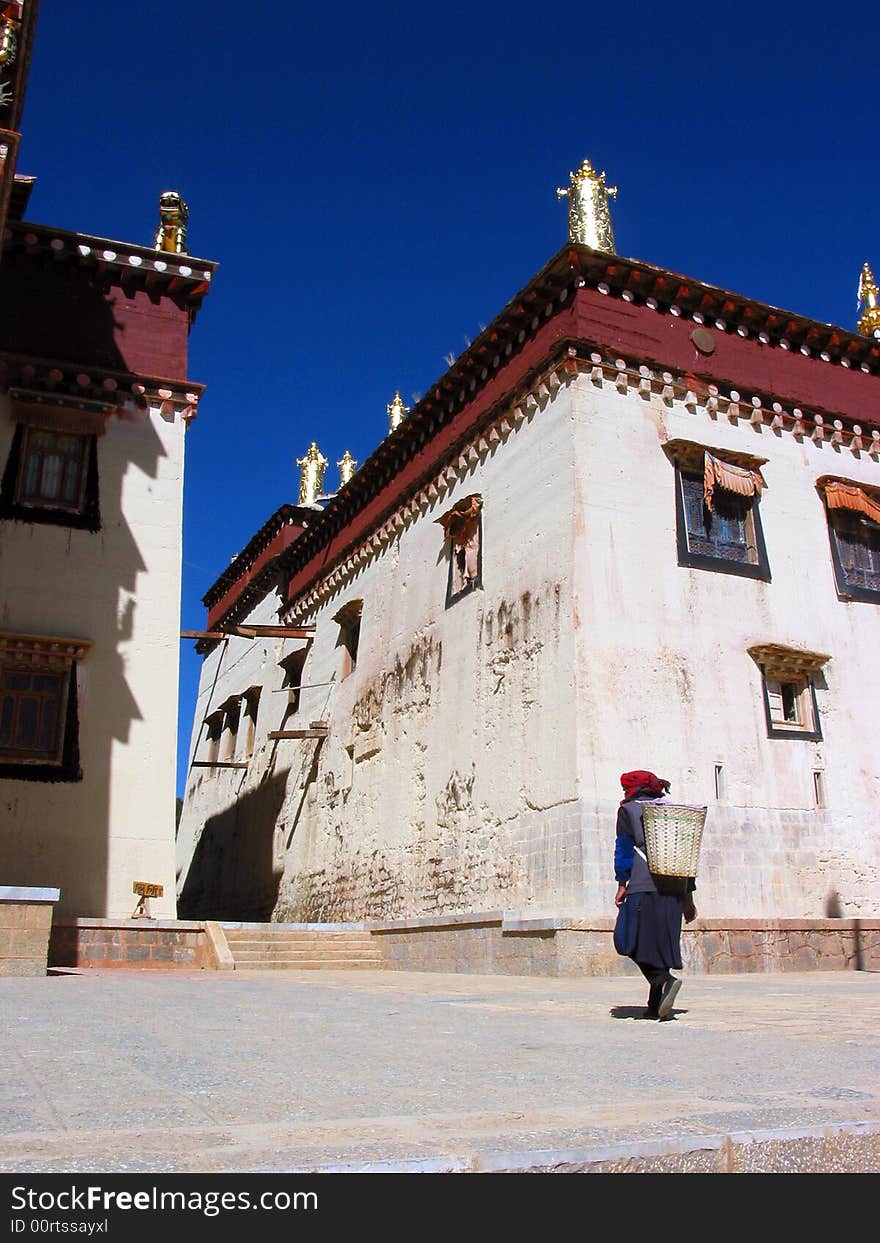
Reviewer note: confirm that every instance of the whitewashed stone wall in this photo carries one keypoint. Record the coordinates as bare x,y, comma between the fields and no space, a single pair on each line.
118,588
474,755
666,682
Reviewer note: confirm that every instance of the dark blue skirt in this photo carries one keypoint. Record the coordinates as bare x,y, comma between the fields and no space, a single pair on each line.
659,937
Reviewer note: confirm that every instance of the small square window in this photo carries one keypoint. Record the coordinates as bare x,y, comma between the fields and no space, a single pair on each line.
788,682
790,704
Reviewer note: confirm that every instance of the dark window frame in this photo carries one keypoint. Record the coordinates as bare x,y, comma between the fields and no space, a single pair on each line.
794,732
847,590
757,569
86,516
67,768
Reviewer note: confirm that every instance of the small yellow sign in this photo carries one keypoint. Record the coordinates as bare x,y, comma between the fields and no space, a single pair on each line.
146,890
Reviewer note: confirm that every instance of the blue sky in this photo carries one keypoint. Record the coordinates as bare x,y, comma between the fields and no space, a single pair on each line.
377,181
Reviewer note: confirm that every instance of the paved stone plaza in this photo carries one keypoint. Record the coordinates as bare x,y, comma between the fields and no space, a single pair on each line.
127,1071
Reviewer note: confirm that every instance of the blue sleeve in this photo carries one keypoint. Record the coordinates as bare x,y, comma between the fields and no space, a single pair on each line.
624,850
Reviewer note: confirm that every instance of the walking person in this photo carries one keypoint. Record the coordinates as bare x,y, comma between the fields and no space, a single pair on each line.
661,901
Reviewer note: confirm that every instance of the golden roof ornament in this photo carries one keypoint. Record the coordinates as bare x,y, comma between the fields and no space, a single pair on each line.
589,217
173,216
9,29
869,321
311,478
397,412
347,466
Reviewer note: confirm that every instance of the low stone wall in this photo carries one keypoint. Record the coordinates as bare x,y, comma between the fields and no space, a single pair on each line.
130,943
25,920
504,944
493,943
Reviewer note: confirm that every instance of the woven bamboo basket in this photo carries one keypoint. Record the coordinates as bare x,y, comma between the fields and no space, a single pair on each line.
673,833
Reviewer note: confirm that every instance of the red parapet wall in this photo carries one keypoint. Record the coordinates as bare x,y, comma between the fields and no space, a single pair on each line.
61,313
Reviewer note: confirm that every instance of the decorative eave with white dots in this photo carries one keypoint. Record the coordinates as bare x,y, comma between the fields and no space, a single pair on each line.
63,384
619,322
181,277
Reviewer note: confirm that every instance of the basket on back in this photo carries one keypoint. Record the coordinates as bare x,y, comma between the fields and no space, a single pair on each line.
673,832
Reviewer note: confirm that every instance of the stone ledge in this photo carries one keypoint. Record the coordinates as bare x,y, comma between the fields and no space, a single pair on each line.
25,893
432,923
231,925
144,925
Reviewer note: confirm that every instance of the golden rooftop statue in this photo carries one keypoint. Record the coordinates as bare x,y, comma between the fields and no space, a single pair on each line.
9,28
311,478
589,217
397,412
869,321
173,215
347,466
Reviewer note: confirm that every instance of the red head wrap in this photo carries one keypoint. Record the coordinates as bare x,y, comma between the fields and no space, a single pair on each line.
643,782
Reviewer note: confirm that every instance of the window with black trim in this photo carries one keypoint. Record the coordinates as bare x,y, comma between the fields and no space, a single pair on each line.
463,531
51,473
718,523
788,682
853,514
39,725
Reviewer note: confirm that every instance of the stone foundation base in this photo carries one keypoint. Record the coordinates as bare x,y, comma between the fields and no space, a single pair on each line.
506,944
492,943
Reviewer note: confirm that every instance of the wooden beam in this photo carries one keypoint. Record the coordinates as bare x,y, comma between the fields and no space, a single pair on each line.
252,632
322,732
219,764
276,632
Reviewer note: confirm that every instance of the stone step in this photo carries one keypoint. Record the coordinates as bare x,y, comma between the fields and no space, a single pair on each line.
308,964
315,938
309,944
274,951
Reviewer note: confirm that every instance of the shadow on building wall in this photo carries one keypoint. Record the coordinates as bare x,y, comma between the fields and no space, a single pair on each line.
59,834
233,873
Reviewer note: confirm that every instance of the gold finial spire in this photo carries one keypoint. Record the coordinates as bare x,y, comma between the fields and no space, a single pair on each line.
869,320
347,466
311,478
397,412
589,218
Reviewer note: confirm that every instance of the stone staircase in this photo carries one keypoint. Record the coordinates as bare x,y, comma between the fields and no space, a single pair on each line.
274,947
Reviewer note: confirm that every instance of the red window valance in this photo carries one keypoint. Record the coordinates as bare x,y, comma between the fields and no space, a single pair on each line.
460,523
839,495
739,479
